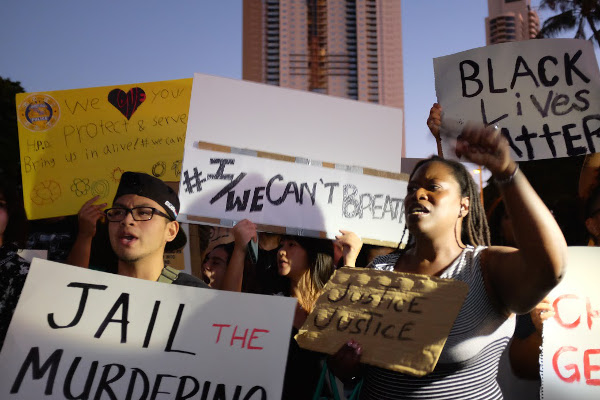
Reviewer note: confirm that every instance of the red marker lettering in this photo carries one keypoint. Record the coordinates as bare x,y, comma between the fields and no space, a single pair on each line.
557,314
220,326
253,336
574,377
589,368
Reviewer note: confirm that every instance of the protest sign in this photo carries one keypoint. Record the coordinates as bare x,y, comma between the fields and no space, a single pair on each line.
75,144
78,333
308,200
570,359
401,320
248,115
543,94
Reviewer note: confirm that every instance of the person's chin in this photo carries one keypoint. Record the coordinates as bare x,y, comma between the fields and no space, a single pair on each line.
283,271
127,256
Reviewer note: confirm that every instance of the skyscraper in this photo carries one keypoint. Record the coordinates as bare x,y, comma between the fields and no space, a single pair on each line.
510,21
344,48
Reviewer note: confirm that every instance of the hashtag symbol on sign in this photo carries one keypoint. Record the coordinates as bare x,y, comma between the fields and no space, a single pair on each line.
195,182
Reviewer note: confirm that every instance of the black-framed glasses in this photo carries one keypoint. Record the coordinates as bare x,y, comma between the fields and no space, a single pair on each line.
118,214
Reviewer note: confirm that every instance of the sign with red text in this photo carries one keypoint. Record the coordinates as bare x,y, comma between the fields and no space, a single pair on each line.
401,320
544,95
75,144
570,360
311,199
78,333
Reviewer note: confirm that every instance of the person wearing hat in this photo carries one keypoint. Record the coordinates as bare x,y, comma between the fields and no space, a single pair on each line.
142,224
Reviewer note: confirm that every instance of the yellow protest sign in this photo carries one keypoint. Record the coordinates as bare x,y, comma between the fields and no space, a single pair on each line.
75,144
401,320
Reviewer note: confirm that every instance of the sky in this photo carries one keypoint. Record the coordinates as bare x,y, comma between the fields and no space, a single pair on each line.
67,44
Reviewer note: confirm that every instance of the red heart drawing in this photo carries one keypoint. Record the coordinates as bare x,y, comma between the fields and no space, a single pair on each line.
128,102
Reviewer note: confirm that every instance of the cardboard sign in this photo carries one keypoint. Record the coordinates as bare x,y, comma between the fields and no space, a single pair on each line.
570,359
87,334
543,94
313,200
75,144
402,320
261,117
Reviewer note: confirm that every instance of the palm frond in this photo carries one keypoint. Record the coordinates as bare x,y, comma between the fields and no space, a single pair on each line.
557,24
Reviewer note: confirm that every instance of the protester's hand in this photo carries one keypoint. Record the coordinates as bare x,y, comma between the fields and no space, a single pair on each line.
541,313
345,363
487,147
243,232
88,216
351,245
435,120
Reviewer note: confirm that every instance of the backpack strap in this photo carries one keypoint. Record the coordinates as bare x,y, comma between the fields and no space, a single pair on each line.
168,275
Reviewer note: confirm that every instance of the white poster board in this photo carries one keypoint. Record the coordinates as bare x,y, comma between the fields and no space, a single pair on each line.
570,358
310,199
81,332
543,94
255,116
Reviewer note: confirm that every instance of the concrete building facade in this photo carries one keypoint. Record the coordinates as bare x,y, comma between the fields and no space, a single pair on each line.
344,48
510,21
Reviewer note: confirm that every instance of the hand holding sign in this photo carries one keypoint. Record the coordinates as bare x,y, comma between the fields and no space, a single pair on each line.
351,245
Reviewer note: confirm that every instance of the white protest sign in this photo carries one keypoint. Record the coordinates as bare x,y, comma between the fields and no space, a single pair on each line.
261,117
232,187
543,94
570,360
78,333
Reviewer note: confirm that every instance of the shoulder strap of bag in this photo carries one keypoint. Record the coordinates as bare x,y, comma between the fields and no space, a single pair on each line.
168,275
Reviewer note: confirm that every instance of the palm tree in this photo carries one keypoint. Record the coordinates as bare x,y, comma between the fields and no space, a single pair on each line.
573,14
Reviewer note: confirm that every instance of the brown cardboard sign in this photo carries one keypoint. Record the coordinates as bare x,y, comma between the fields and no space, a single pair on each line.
401,320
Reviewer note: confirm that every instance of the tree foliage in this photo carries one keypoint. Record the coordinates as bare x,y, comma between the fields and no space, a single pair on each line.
9,136
572,15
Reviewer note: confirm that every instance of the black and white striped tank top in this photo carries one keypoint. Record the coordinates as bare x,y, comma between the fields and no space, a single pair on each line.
468,365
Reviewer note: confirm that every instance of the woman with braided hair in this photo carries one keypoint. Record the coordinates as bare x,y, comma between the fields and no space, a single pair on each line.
449,238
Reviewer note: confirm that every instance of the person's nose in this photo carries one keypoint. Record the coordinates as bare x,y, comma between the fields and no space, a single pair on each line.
128,220
421,194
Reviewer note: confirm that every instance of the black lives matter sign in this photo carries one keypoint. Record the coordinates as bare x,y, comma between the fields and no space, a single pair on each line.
542,94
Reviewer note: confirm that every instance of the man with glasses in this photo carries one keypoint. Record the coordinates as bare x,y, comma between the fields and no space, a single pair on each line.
142,224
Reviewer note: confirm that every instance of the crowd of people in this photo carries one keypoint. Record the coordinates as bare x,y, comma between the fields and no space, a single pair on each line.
510,259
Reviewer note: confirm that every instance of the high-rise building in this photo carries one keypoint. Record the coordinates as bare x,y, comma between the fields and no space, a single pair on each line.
345,48
510,21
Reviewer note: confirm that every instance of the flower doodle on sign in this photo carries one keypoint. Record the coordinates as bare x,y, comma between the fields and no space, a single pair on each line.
116,174
128,102
159,169
80,187
45,192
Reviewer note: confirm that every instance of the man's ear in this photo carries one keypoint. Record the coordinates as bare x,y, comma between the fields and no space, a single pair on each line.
171,230
465,203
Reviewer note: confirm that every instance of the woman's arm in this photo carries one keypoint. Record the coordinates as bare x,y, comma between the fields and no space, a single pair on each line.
243,232
434,122
520,278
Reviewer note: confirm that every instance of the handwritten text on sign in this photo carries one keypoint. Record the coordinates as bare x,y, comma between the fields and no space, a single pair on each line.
78,333
234,186
571,346
544,94
401,320
75,144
